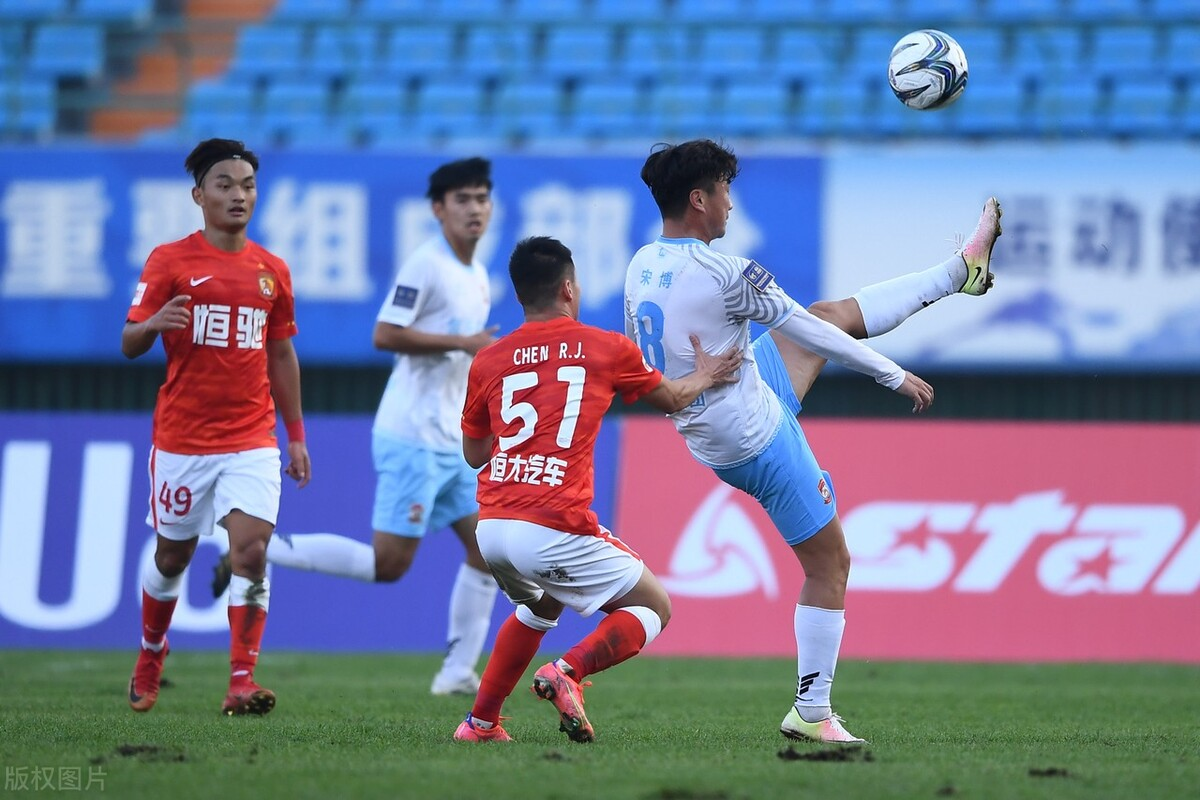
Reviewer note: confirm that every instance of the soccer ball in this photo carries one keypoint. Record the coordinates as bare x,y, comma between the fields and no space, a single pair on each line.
927,70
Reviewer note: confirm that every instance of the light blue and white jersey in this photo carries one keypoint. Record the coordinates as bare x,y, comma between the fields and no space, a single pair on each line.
433,292
678,287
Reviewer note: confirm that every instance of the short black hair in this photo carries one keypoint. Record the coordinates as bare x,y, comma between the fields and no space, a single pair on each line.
537,267
213,151
457,175
673,171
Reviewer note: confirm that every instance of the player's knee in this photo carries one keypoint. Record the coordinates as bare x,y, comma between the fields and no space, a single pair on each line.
391,567
171,564
249,559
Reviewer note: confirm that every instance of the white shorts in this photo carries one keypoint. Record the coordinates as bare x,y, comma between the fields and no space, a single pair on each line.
189,494
581,571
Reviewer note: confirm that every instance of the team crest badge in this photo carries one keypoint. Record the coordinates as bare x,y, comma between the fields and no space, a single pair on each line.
826,494
416,512
266,285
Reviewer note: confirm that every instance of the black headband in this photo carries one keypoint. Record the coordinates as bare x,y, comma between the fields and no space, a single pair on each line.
216,159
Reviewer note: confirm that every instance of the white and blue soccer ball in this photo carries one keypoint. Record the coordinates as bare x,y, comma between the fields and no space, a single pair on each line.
927,70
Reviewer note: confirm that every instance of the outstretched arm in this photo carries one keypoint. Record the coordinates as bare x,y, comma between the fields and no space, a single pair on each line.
674,395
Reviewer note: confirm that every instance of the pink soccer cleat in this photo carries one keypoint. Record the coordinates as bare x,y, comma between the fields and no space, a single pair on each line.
551,683
469,731
977,252
827,730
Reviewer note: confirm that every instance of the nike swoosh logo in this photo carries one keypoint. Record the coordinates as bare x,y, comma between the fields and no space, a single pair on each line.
198,281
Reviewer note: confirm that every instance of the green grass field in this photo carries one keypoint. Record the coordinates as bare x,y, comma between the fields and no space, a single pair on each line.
678,729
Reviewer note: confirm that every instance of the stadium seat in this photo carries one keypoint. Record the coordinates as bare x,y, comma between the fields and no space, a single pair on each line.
134,13
344,52
446,107
783,12
220,108
1172,10
472,11
572,52
565,11
418,52
371,104
290,103
709,12
33,10
496,52
607,109
730,53
1021,11
313,11
1103,10
756,107
994,104
683,110
29,108
986,48
269,51
628,11
806,55
1125,51
859,12
1189,115
653,54
829,109
932,13
1142,107
1067,109
530,108
1046,55
67,51
870,50
392,11
1182,56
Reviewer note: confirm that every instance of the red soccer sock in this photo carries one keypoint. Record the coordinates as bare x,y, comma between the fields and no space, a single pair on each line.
156,617
246,625
516,645
619,636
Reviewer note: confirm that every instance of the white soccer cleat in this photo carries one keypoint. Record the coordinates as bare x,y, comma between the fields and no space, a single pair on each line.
827,730
977,252
444,684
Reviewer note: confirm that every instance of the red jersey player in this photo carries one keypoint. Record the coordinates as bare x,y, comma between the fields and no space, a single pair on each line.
224,308
535,400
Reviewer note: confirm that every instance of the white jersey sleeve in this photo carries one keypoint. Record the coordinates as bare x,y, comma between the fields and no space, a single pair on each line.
409,293
748,290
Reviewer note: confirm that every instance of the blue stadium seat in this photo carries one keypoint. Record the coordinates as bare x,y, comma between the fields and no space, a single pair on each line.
1189,114
1125,51
1173,10
29,107
417,52
326,11
607,109
269,51
447,107
343,52
652,53
858,12
561,11
1142,107
628,11
372,104
932,13
830,109
683,109
220,108
783,12
530,108
126,12
292,103
577,52
1068,109
808,55
870,49
1182,55
29,10
1103,10
730,53
709,12
1021,11
986,48
494,52
391,11
993,105
67,51
756,107
472,11
1045,55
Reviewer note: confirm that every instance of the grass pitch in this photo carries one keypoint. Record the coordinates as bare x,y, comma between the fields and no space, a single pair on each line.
667,729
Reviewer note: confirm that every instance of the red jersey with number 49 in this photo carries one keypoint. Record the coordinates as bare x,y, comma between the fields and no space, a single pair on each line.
542,391
217,397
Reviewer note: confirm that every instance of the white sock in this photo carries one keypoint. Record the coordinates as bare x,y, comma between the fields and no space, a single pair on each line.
471,603
885,305
159,586
324,552
818,640
245,592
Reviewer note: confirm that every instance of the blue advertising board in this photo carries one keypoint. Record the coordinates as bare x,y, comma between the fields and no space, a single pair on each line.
76,226
73,537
